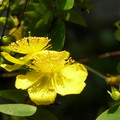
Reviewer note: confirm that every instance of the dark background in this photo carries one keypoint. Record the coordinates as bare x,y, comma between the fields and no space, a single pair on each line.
86,42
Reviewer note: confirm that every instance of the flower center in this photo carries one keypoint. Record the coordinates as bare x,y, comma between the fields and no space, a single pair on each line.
49,61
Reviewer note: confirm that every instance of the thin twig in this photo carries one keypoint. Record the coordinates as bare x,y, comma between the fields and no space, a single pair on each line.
21,17
96,72
5,22
100,56
9,74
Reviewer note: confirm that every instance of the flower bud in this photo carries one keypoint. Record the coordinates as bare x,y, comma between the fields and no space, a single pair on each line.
115,94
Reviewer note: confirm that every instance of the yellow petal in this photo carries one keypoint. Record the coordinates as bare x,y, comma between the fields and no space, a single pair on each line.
10,67
12,59
43,91
71,79
25,81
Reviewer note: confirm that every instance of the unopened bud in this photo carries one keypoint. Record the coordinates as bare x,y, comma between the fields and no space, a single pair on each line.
115,94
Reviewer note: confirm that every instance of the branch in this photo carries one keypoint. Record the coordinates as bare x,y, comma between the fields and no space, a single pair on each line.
100,56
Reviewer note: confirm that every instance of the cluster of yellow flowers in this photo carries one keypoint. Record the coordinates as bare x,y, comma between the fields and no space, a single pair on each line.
50,72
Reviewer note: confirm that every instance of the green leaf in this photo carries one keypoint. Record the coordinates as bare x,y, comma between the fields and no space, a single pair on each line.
46,17
118,67
41,8
111,114
117,34
14,95
18,109
64,4
74,17
47,3
10,22
57,35
32,15
42,114
17,7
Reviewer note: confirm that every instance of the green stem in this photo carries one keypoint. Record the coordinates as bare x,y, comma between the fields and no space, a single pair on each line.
95,72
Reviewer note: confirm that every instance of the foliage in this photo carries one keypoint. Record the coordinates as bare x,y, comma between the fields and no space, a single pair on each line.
48,19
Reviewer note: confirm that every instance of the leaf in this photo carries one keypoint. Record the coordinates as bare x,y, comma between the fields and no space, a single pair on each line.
117,34
64,4
32,15
41,8
47,3
57,35
42,114
18,109
14,95
111,114
74,17
118,67
46,17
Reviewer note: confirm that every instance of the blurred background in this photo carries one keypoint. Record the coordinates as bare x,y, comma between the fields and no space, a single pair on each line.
89,42
98,37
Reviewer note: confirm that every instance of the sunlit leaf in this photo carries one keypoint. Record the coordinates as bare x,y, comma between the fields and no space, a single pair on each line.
57,35
111,114
74,17
14,95
117,34
64,4
18,109
42,114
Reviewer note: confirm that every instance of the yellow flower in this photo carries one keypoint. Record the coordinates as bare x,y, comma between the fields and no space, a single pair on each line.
30,45
53,72
27,45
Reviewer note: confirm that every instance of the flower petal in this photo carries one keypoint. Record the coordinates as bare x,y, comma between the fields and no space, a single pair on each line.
43,91
8,57
20,61
10,67
30,45
25,81
71,79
